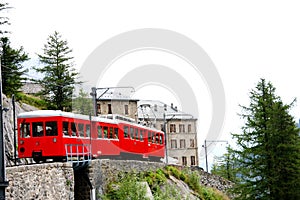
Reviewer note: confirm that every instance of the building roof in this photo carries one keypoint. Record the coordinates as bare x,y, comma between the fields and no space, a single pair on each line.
153,109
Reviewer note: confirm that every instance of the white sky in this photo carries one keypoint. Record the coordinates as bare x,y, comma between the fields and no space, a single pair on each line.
246,40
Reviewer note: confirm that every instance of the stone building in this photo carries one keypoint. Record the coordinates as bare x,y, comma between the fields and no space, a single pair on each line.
114,103
180,128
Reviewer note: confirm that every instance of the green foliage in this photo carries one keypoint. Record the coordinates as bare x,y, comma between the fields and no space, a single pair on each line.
58,80
128,187
31,100
11,67
268,150
228,167
82,104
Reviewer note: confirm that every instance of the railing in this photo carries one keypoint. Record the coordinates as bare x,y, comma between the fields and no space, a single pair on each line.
78,154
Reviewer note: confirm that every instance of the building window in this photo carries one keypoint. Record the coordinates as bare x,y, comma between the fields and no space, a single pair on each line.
181,128
190,128
173,144
193,160
184,161
172,128
126,109
192,143
109,109
182,143
99,108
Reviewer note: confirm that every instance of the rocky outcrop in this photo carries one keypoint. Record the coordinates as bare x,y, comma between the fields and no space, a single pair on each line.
8,128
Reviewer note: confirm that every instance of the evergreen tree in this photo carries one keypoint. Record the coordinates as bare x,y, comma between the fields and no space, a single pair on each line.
268,150
227,167
59,77
11,67
82,104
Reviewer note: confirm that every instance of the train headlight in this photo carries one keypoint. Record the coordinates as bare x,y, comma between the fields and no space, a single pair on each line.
54,140
21,141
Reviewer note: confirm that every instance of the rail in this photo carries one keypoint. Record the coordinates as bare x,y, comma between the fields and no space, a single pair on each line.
78,154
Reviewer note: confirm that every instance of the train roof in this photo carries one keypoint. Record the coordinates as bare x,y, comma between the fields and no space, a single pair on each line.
59,113
114,119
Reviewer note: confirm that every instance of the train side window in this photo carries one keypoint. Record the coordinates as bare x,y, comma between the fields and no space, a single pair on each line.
105,131
125,131
66,128
136,134
99,129
88,130
25,130
157,138
160,139
81,130
38,129
116,133
73,129
131,132
141,135
51,128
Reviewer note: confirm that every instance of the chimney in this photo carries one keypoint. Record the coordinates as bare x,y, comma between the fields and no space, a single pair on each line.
171,105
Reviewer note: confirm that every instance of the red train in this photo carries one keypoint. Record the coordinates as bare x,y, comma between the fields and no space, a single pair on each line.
57,135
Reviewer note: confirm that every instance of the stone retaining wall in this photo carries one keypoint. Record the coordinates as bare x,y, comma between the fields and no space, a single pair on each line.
101,172
40,182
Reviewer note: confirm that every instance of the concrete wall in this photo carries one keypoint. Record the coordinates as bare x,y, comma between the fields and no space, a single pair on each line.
42,181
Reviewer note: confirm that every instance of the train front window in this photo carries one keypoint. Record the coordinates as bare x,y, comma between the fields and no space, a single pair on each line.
116,133
125,131
105,131
37,129
131,132
25,130
141,135
111,132
51,128
99,129
136,134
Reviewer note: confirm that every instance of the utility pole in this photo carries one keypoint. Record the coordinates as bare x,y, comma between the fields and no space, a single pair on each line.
205,148
3,183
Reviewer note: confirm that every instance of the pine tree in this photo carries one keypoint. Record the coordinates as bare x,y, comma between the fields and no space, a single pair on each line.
11,67
268,149
59,77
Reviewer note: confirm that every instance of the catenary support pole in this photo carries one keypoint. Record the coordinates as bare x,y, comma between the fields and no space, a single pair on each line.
3,183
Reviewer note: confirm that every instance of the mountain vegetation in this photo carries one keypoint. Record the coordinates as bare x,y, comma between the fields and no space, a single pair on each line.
165,184
266,161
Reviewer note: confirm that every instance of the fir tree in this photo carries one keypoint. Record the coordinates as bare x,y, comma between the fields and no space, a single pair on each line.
11,67
268,149
59,77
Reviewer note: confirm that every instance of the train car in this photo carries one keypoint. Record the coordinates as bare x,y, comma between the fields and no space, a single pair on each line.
49,134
